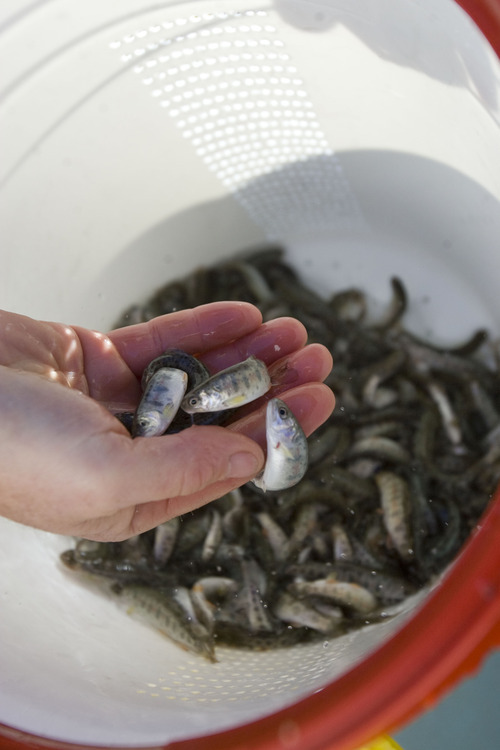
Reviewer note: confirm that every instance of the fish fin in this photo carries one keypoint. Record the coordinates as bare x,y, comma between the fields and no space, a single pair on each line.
236,401
167,409
258,481
284,449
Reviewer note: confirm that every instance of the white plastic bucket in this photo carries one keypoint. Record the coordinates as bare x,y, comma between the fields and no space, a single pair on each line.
142,140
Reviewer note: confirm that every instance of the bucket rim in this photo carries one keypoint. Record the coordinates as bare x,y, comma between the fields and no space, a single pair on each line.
443,651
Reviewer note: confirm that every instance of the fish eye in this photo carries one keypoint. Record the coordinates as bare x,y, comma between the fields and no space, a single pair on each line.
282,411
193,401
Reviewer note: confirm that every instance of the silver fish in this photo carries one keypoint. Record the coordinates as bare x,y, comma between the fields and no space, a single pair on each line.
251,596
164,541
301,614
160,402
287,454
168,610
171,614
380,447
450,420
342,548
247,607
204,609
275,535
229,388
350,595
213,538
215,587
304,525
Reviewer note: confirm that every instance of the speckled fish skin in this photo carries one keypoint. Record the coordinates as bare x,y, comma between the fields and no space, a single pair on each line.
396,510
160,402
287,451
167,614
235,386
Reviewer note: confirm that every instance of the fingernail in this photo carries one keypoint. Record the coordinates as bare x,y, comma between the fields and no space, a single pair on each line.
243,465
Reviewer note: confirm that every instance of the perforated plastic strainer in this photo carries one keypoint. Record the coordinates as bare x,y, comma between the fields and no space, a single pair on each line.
143,140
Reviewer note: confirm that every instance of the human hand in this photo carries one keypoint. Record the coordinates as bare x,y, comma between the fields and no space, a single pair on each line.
68,466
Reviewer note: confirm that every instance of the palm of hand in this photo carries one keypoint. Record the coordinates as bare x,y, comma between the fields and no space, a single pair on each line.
87,362
69,466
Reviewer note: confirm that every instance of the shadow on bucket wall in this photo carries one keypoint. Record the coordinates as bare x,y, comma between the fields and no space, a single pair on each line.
393,30
411,216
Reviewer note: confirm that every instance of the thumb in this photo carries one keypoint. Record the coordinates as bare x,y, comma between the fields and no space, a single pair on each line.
186,463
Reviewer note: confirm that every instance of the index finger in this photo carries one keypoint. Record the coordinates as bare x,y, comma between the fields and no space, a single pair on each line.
196,330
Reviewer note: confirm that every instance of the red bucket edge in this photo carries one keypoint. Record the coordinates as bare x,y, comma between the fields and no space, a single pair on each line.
486,15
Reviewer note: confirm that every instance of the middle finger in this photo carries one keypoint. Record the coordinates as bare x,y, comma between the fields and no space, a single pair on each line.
271,341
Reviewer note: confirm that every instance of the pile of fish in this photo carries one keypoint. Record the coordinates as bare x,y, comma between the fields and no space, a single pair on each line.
397,479
165,406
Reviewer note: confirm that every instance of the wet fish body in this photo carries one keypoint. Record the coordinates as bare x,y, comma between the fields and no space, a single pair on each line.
395,503
165,539
235,386
160,402
298,613
286,460
349,595
168,613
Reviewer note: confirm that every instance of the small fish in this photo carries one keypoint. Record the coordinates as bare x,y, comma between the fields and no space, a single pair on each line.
304,525
255,280
300,614
341,480
169,609
251,597
373,394
349,595
123,571
160,402
275,535
229,388
397,306
287,454
172,613
395,503
449,418
213,538
215,587
342,548
328,441
380,447
387,587
164,541
203,609
349,304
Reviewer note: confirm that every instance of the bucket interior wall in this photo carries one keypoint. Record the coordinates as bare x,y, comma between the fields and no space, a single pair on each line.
359,134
